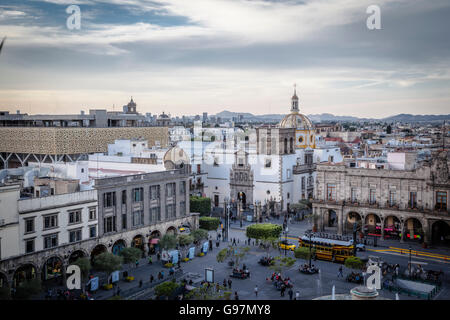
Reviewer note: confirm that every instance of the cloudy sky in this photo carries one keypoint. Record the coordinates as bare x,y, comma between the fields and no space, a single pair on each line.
191,56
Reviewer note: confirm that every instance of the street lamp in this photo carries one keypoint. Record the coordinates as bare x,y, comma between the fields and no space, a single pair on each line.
410,262
310,246
285,239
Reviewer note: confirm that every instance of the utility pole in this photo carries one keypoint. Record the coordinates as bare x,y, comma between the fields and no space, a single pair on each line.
410,262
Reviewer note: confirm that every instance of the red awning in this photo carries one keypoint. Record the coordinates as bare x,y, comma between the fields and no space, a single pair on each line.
154,241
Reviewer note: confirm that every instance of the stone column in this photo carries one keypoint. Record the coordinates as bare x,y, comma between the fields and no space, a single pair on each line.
340,218
426,232
320,219
402,228
382,227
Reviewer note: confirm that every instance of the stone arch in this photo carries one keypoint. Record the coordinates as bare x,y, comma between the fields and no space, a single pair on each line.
153,241
413,230
3,280
138,242
392,227
77,254
98,249
440,232
285,145
26,271
171,230
118,246
350,219
52,268
372,223
291,143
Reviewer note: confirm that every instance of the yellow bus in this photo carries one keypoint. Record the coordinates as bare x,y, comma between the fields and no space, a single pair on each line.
327,249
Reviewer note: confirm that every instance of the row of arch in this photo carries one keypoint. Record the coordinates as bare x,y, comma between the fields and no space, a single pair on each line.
53,267
391,227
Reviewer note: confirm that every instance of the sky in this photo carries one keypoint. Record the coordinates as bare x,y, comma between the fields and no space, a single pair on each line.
185,57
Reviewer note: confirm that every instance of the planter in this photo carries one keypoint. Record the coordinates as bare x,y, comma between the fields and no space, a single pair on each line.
185,260
201,254
129,279
168,265
108,286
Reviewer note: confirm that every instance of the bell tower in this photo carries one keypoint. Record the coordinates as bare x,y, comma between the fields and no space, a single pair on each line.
294,101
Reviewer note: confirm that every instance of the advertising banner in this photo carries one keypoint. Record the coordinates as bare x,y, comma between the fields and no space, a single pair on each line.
174,255
94,284
115,276
191,254
205,247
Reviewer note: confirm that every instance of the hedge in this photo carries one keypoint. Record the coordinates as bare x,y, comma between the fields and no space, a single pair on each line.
354,263
201,205
263,231
209,223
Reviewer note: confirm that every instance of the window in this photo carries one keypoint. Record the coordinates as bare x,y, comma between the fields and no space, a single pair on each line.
198,168
413,199
92,231
441,200
124,221
75,235
154,192
138,218
241,162
138,194
170,211
109,224
29,246
170,190
372,196
331,192
353,195
29,225
183,208
51,241
92,213
156,213
50,221
392,198
124,196
75,217
288,173
109,199
182,188
303,182
268,163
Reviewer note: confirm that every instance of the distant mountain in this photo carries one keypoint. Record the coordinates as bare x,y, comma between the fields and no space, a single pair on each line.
330,117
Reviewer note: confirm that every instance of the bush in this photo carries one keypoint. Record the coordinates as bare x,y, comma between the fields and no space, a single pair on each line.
209,223
263,231
168,265
354,263
302,253
222,255
166,288
201,205
27,289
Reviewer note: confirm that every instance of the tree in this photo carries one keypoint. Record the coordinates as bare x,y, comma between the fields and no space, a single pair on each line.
199,235
281,263
389,129
353,263
206,292
184,240
108,262
263,231
168,241
237,254
85,267
303,253
166,289
130,255
201,205
209,223
25,290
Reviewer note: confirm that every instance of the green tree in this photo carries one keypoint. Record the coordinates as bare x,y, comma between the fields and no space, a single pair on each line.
389,129
85,266
108,262
130,255
303,253
199,235
236,254
208,293
262,231
201,205
26,289
168,241
281,263
184,240
353,263
167,288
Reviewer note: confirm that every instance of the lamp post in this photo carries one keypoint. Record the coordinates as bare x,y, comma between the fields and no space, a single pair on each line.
285,239
410,262
227,219
310,246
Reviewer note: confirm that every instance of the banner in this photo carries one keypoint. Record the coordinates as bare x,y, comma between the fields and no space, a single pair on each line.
94,284
191,254
115,276
174,255
205,247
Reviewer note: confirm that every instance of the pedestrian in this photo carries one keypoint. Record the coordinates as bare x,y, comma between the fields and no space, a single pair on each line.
290,293
229,283
137,263
340,272
217,287
297,295
118,291
158,256
140,283
151,278
150,261
256,290
283,288
162,274
225,283
236,297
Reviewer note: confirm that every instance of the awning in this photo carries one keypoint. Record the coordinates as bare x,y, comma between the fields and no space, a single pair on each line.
154,241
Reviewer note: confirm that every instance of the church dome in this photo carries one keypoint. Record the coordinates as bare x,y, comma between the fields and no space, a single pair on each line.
296,120
175,156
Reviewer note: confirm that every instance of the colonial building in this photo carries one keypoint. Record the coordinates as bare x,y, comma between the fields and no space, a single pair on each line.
406,204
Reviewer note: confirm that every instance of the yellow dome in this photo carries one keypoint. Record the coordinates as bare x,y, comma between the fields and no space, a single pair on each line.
296,120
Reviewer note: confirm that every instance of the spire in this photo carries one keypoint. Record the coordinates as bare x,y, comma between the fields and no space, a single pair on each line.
294,100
